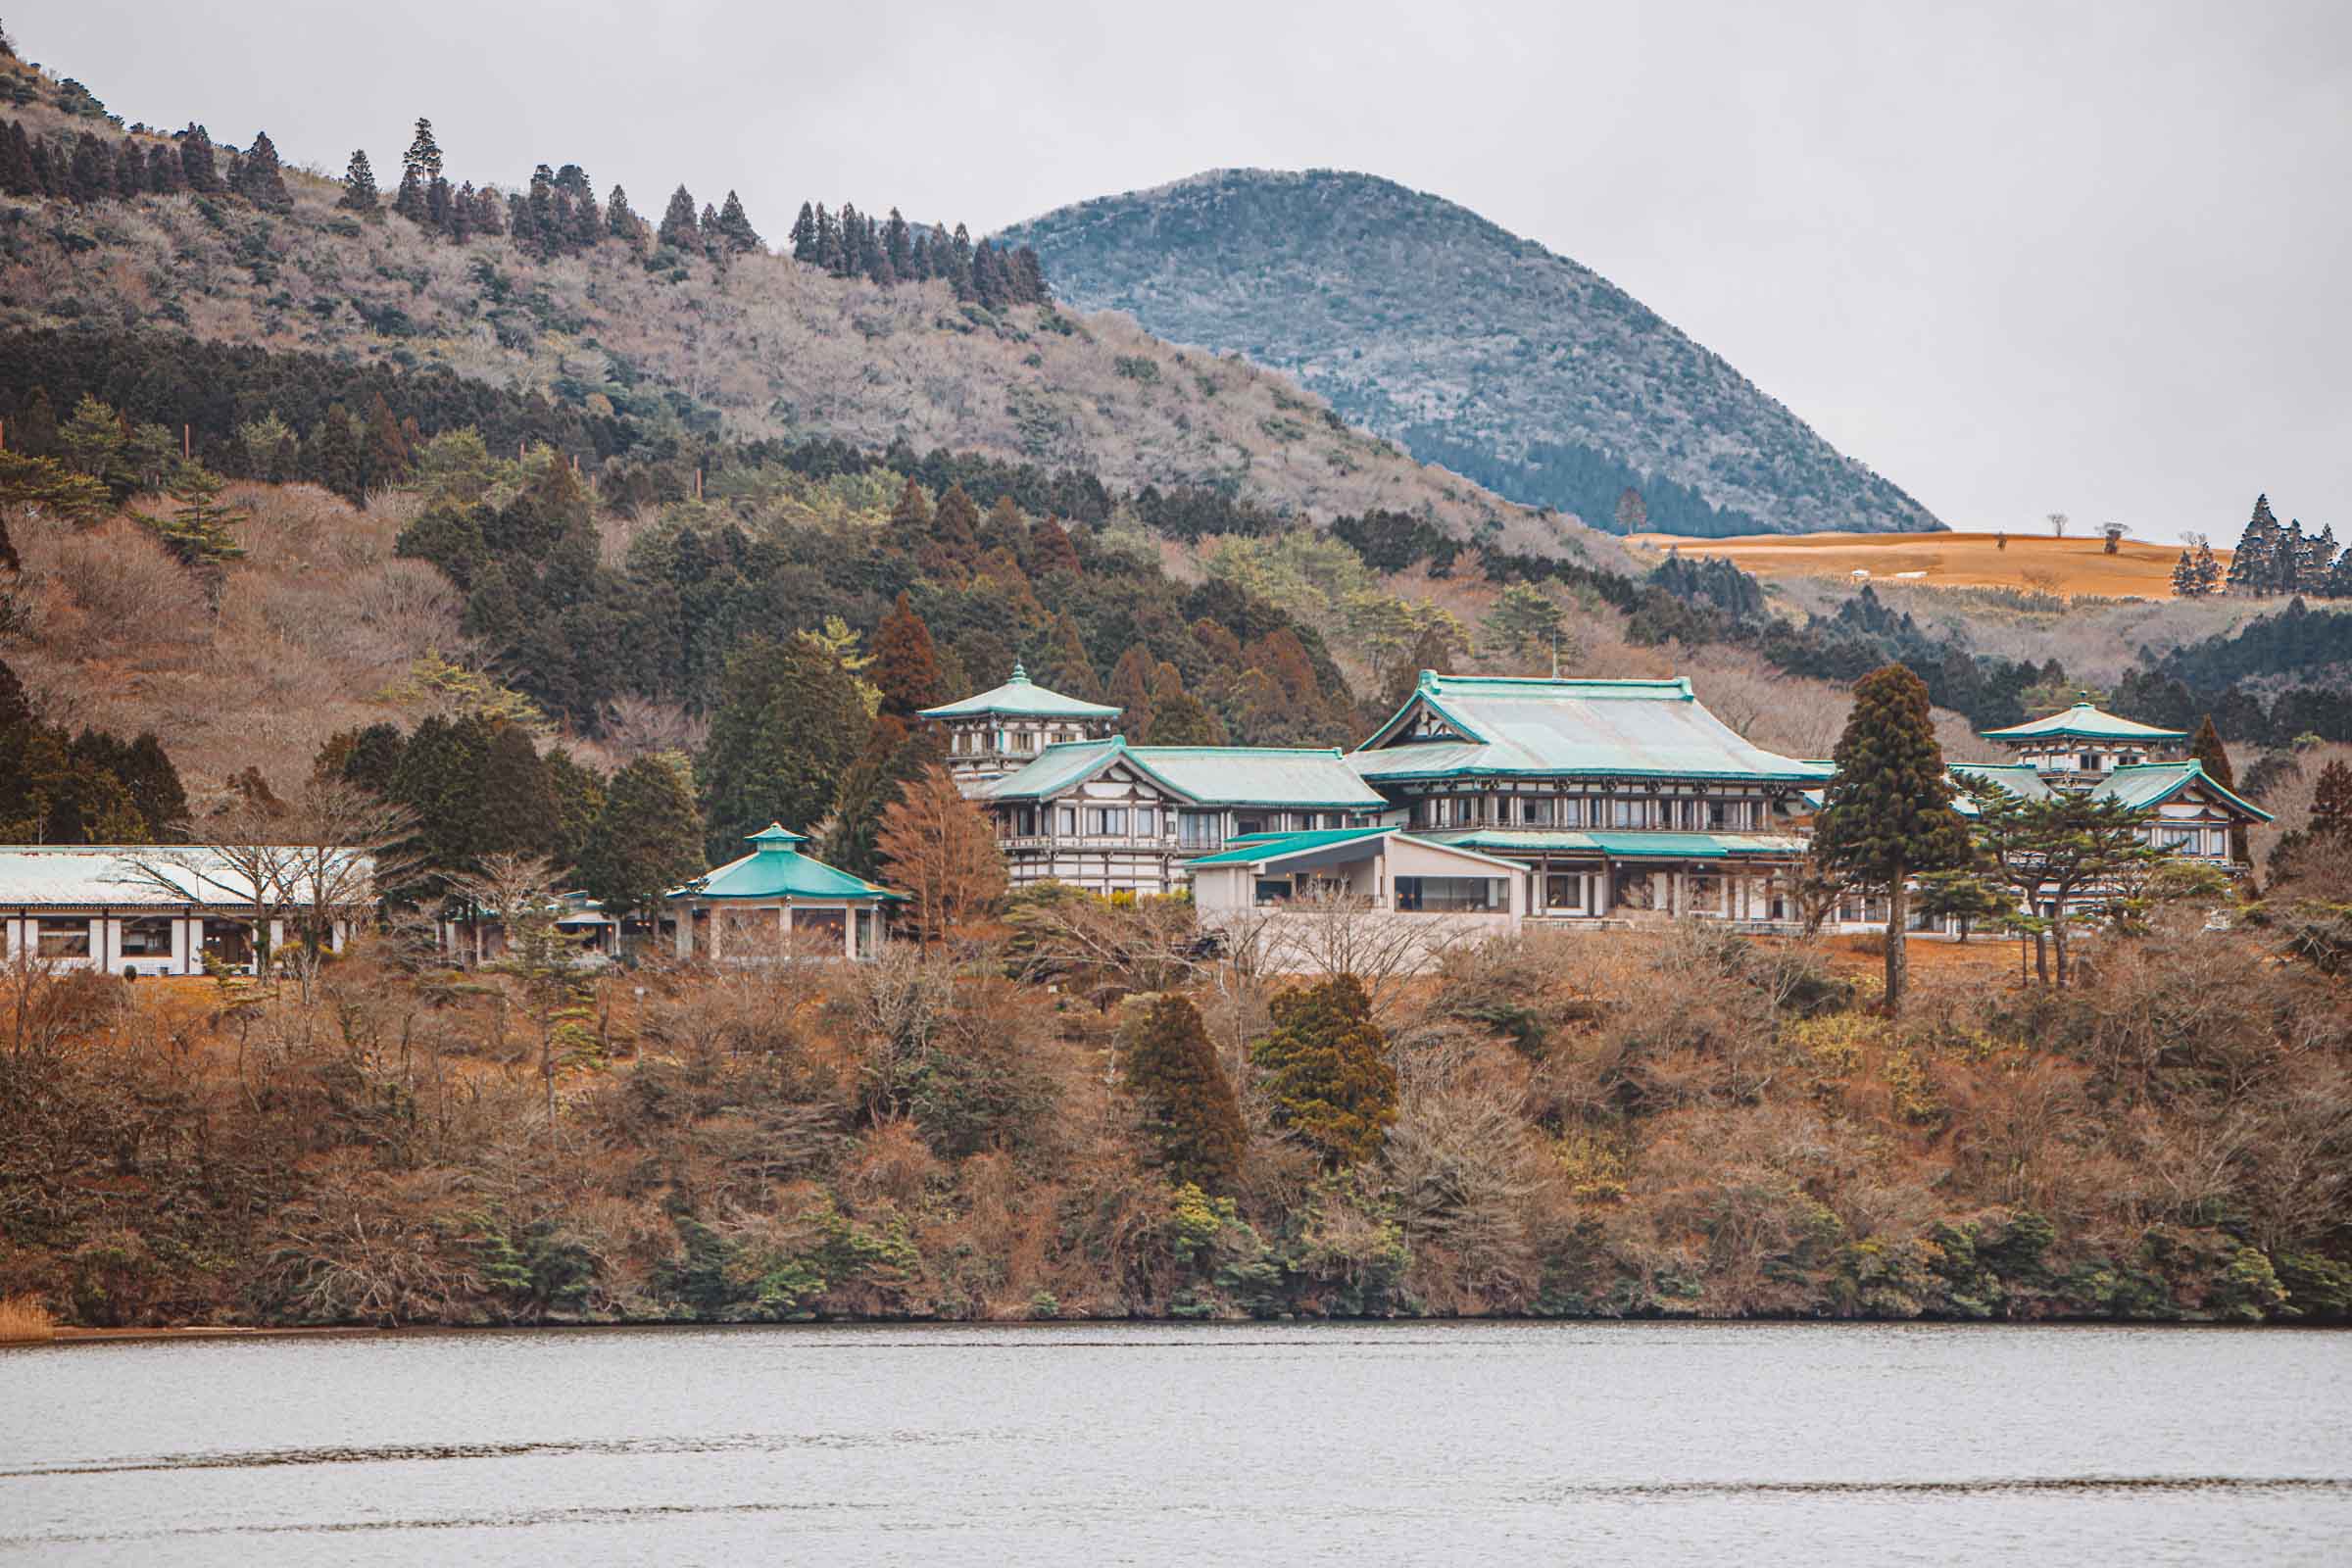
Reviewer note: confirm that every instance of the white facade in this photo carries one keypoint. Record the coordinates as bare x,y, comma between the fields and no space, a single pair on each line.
139,910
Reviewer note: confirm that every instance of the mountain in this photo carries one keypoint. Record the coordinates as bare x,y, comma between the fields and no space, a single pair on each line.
1421,320
696,340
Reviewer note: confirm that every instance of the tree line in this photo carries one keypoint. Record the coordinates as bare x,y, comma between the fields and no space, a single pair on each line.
85,166
2271,557
891,251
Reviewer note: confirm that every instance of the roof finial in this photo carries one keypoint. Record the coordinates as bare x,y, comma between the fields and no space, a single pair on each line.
1020,675
1428,681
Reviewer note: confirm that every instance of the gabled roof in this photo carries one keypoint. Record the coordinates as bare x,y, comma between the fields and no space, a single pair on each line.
2145,785
1200,775
158,876
1261,850
776,869
1021,698
1570,728
1628,843
2084,722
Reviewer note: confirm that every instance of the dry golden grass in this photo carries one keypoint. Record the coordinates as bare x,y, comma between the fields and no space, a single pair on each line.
2068,566
23,1321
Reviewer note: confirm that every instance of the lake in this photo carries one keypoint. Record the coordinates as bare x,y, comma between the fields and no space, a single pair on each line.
1622,1444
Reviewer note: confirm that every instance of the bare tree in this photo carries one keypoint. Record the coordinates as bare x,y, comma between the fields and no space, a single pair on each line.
2057,521
1343,933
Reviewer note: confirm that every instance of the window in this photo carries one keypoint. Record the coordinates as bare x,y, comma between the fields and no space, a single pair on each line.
2176,838
1572,811
1563,891
1197,829
1450,893
149,937
2090,761
1536,811
1107,821
1024,740
1145,822
1065,821
1273,890
1249,825
1625,813
1706,893
62,939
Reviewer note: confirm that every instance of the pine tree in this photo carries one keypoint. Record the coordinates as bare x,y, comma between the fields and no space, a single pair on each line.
804,235
131,173
384,458
2331,803
2286,558
898,245
91,177
423,157
154,787
624,222
440,204
680,232
408,200
517,796
1325,1069
712,243
735,228
15,162
956,525
906,664
439,778
1887,811
332,456
1190,1115
1179,718
2254,565
2339,579
2185,578
647,838
1130,691
260,180
1050,550
359,194
911,519
2319,559
489,213
2209,570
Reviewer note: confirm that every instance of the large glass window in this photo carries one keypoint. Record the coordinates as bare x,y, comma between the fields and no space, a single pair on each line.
1563,891
1147,823
148,937
1065,821
1626,812
1273,890
1197,829
62,939
1456,892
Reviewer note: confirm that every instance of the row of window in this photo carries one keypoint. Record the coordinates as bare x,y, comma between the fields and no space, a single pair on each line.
1579,810
1427,894
142,937
1193,829
1017,741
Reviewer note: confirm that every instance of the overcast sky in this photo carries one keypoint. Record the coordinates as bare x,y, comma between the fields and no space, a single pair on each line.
2020,258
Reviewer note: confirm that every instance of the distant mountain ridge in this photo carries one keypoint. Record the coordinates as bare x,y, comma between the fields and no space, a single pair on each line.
1479,350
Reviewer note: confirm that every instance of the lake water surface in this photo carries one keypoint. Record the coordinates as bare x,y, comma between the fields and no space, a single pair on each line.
1626,1444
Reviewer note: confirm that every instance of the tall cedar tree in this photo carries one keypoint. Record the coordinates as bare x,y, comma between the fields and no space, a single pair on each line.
906,664
423,157
942,853
359,194
1187,1108
680,229
1888,813
734,228
2255,563
624,222
646,840
789,722
2213,757
260,182
1066,668
1326,1069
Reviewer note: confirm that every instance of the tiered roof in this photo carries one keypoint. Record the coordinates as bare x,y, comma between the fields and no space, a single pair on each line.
2144,785
2084,722
1507,726
1021,698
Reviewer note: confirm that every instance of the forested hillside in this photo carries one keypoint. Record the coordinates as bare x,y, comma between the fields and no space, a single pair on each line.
873,331
1478,349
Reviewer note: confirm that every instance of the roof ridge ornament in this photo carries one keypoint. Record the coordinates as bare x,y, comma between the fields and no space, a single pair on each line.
1020,675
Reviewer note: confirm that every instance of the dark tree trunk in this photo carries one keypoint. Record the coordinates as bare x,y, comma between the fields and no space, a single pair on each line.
1898,955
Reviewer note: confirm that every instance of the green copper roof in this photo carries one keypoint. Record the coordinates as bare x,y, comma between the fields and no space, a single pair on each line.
1570,728
1259,848
2084,722
2146,785
1625,844
776,869
1021,698
1198,775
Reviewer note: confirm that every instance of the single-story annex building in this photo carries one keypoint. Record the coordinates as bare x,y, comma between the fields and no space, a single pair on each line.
134,909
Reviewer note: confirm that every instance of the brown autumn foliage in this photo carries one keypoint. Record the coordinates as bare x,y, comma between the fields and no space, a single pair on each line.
1683,1124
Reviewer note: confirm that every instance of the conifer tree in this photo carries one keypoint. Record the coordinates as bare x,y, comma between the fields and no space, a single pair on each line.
1190,1115
1050,550
332,456
2213,757
408,200
1130,691
804,235
2254,565
647,838
712,243
2286,558
154,786
2319,558
163,176
440,204
463,205
489,213
956,525
735,228
898,245
2185,578
1066,668
1179,718
423,157
906,664
359,194
680,232
624,222
1887,811
518,813
789,722
2209,569
2331,803
91,176
911,519
131,171
259,180
942,853
1325,1068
